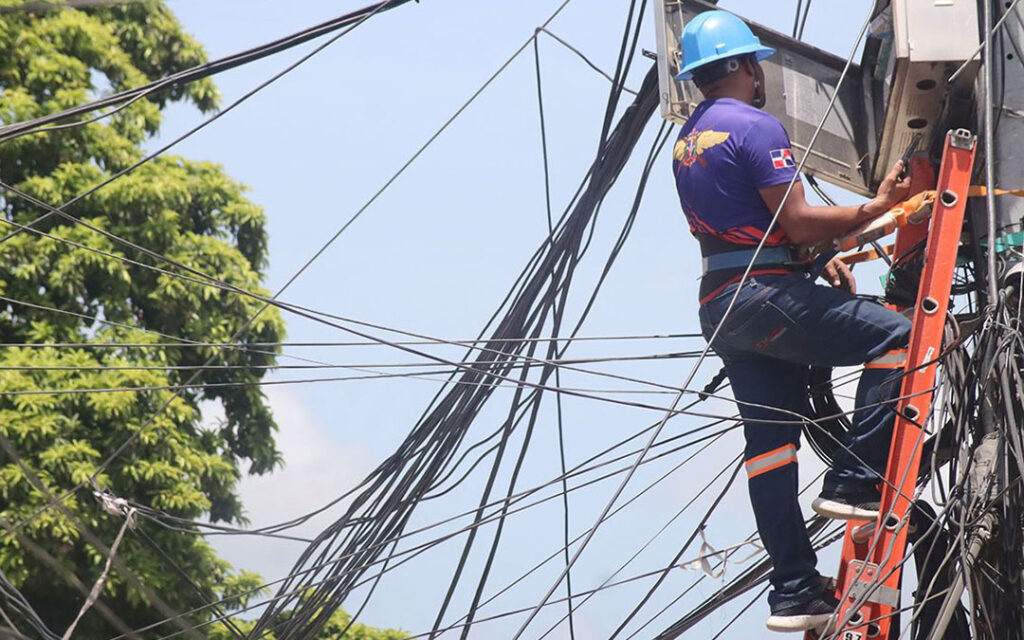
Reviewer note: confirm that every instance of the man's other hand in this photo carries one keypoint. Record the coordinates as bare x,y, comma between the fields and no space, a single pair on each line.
892,191
837,274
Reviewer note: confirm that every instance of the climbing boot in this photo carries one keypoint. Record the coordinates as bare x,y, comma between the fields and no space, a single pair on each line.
804,617
860,506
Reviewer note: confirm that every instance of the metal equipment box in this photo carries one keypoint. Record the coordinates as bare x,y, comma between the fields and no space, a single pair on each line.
924,42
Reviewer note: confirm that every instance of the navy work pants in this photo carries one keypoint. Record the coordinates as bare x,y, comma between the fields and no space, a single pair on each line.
779,325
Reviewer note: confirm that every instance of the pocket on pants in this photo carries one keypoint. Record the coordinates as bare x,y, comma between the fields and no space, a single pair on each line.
768,330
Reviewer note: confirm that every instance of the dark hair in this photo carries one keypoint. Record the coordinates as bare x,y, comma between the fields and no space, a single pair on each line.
709,73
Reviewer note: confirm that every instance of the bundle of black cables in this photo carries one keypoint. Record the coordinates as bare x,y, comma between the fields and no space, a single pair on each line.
338,560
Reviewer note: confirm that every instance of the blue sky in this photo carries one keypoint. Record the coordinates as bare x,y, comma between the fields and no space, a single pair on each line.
435,255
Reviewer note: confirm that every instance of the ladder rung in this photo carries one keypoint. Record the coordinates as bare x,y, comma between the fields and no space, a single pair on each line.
861,534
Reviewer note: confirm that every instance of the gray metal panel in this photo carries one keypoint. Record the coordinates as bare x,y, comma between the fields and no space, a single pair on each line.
917,102
936,30
800,80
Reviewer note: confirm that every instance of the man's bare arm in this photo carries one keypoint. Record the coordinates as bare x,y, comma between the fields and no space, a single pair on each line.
806,224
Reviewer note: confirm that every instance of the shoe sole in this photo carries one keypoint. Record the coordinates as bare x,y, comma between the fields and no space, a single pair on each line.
798,623
841,511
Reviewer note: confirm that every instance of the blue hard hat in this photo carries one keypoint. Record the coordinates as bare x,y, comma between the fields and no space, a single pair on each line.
716,35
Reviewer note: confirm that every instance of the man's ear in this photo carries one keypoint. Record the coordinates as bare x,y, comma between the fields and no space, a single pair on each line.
748,67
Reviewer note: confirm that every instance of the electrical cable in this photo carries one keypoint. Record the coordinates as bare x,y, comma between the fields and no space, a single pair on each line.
198,72
93,540
803,21
582,57
502,352
558,382
347,224
363,343
429,544
561,241
693,371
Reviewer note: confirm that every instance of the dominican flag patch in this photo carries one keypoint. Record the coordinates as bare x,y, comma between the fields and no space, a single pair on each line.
782,158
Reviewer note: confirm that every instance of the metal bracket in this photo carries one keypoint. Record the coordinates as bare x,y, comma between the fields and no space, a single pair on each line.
876,593
866,589
962,139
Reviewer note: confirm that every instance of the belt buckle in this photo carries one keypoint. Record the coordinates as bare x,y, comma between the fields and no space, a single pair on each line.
801,256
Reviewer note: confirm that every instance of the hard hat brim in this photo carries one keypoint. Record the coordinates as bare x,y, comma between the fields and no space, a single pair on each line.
759,50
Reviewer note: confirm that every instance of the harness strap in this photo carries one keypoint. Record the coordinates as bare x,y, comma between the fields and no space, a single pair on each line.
744,257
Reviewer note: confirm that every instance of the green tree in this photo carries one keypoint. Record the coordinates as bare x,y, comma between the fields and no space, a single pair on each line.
337,624
189,211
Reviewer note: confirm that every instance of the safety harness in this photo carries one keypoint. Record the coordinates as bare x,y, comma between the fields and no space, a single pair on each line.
785,256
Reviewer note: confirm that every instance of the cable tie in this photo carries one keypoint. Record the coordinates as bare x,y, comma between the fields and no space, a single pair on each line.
707,551
712,386
116,506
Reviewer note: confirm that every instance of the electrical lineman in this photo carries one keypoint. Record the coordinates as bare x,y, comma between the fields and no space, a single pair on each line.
733,166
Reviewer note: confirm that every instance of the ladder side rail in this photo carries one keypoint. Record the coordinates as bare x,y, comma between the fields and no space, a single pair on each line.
872,583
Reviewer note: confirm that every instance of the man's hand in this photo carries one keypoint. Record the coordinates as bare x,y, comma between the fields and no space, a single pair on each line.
805,224
891,192
837,274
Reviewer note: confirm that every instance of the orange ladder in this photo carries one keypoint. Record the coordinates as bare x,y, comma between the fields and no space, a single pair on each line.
869,570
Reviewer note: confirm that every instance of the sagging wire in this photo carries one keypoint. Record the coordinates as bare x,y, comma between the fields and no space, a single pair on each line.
429,544
198,72
551,229
357,343
582,57
96,543
424,340
558,303
589,198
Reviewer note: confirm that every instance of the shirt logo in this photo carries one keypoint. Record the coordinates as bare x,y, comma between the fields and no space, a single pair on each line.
689,149
782,158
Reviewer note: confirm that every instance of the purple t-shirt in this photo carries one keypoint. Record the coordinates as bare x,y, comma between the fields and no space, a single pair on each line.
726,151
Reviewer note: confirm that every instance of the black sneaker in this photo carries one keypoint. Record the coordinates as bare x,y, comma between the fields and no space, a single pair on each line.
804,617
857,506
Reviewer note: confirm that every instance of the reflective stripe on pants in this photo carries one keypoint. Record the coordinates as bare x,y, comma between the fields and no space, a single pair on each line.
895,359
772,460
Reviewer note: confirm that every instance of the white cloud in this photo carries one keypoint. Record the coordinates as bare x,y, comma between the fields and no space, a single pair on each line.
317,469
